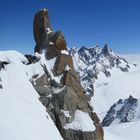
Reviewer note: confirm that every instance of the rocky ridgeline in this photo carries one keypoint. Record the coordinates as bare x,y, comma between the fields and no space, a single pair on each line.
59,86
123,111
89,62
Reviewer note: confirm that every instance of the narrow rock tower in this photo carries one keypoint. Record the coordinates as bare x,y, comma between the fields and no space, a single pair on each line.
65,99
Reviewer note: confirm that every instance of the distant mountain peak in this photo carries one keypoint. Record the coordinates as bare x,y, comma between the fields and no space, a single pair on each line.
90,61
122,111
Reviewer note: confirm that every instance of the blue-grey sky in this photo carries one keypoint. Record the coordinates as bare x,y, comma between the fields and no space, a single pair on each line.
84,22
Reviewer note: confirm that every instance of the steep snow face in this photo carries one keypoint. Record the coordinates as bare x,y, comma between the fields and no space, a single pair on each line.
22,116
91,62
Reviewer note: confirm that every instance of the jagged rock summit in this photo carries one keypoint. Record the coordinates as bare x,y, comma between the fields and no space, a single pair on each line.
90,62
59,86
123,111
45,37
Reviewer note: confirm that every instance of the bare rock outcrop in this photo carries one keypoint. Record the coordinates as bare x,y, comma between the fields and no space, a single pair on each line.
62,61
42,30
59,40
71,79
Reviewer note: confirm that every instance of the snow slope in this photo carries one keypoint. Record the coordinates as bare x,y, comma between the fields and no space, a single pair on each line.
125,131
22,116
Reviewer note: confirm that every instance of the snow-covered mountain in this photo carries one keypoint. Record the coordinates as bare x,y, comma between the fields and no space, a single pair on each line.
127,110
55,94
110,78
90,62
120,86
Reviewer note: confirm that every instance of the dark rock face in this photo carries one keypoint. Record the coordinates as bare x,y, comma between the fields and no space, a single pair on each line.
41,86
44,36
41,23
70,79
68,95
61,61
79,135
57,43
59,40
31,59
122,111
41,81
2,64
0,86
105,50
42,30
52,52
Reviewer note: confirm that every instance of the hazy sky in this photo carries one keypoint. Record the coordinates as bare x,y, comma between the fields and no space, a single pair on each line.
84,22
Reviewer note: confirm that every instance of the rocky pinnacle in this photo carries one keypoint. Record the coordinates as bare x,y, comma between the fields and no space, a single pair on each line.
70,97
